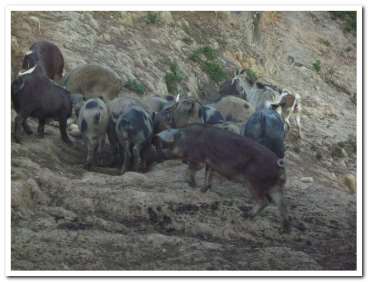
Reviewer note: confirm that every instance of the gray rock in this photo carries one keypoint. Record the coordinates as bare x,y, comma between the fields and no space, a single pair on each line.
307,179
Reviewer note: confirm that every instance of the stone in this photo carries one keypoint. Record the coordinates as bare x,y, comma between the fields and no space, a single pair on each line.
166,17
307,179
36,22
126,18
14,43
350,182
106,37
115,31
92,22
74,130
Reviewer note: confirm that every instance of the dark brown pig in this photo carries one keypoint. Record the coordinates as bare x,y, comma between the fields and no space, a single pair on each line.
48,56
233,156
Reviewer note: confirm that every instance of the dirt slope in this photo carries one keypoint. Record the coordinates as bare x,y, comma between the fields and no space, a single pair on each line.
66,218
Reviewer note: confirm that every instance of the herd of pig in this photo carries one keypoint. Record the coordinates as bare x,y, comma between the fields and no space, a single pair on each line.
246,147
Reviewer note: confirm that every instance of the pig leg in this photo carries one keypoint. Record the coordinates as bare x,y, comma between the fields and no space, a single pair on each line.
208,179
190,176
126,152
26,127
297,117
261,199
101,144
91,151
137,157
260,205
114,143
191,173
287,125
17,125
277,197
41,128
62,127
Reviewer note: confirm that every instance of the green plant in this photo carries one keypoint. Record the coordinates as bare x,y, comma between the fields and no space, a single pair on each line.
207,58
348,19
152,18
135,86
173,78
196,56
317,66
215,71
208,52
251,75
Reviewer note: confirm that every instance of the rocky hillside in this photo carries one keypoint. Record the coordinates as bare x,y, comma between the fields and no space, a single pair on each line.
67,218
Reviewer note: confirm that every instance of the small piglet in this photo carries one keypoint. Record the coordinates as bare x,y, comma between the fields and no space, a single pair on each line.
134,130
93,120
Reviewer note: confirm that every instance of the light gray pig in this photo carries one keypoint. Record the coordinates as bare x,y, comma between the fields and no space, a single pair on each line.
92,121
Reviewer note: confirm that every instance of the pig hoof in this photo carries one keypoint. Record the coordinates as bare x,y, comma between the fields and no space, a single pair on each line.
87,166
28,131
286,227
68,142
192,184
246,212
247,216
205,189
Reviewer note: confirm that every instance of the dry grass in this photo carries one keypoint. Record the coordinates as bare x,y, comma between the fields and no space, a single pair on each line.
269,19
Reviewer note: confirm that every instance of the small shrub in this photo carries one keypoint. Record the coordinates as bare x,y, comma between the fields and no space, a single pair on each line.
208,52
317,66
152,18
348,19
209,63
196,56
215,71
251,75
135,86
173,78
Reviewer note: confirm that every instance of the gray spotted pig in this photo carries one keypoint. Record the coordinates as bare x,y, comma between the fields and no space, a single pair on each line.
93,121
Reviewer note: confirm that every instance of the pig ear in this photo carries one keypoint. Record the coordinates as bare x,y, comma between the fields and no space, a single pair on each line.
84,98
242,71
102,98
